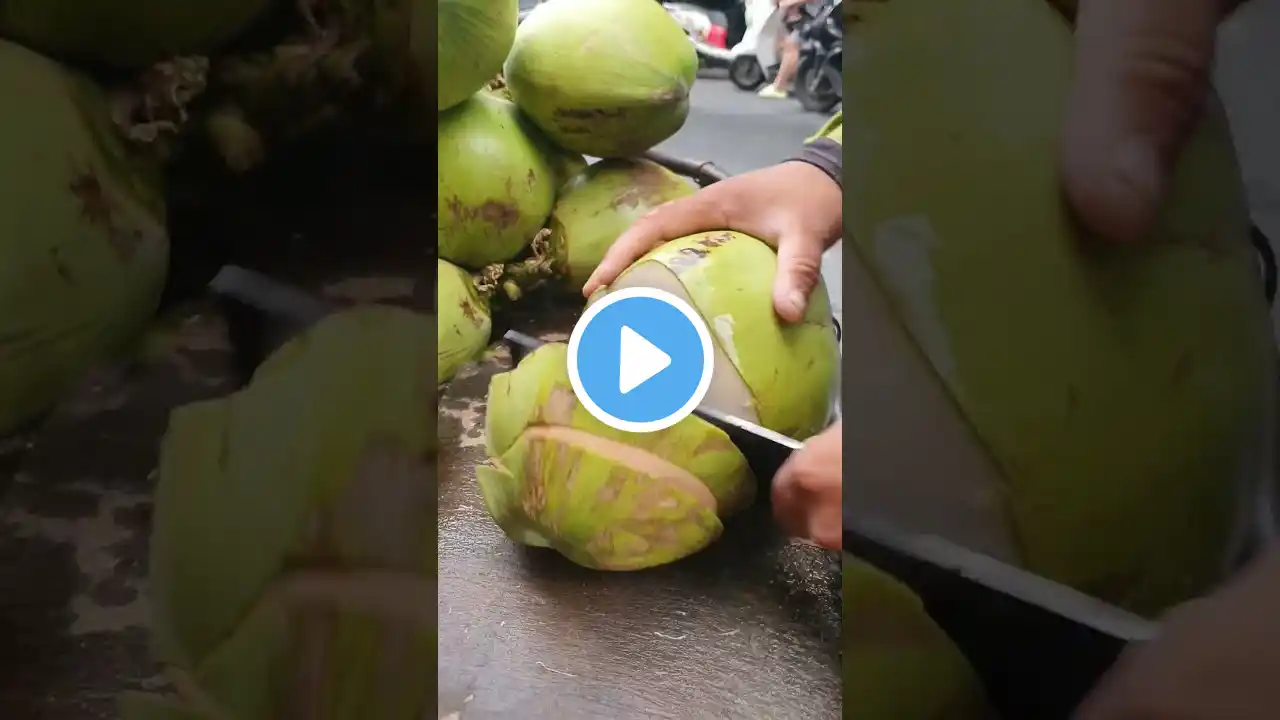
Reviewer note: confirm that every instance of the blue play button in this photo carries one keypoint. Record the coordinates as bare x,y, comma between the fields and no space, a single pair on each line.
640,359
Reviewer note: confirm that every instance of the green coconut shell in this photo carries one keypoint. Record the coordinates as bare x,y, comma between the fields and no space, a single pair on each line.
599,205
1116,388
898,664
607,78
496,188
566,165
474,37
128,34
83,247
293,546
604,498
464,324
787,374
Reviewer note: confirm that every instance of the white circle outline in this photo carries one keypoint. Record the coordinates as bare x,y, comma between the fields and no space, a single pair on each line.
708,360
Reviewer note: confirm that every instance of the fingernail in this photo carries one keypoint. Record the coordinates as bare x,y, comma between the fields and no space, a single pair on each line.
795,303
1138,173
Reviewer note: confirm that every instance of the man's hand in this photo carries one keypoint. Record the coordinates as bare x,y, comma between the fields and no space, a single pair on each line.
1215,659
1142,71
792,206
808,491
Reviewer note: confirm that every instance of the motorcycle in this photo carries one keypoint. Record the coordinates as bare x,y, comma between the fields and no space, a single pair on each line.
819,83
705,28
750,51
713,26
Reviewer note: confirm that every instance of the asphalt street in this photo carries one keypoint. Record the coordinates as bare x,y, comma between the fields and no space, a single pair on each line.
741,132
1246,43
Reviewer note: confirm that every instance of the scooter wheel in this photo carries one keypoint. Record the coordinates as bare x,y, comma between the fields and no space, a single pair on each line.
817,88
745,72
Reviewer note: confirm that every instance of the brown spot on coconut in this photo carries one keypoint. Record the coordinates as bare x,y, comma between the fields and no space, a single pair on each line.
483,217
464,325
83,247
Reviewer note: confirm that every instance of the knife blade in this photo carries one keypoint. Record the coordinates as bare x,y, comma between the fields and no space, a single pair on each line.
1038,646
261,314
764,450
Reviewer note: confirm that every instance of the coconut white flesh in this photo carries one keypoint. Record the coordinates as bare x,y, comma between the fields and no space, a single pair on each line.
920,465
728,392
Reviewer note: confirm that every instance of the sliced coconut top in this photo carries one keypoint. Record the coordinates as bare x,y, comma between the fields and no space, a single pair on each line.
640,460
920,465
789,371
728,392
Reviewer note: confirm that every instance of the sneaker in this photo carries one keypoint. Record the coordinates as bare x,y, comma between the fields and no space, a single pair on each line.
770,92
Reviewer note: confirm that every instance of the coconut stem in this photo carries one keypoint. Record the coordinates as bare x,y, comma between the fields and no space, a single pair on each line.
236,140
153,108
520,277
304,83
498,86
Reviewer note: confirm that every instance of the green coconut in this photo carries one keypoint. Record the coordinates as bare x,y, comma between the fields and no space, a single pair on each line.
1115,391
604,498
351,58
608,78
127,34
463,324
474,38
781,376
566,165
898,664
599,205
293,553
83,247
496,189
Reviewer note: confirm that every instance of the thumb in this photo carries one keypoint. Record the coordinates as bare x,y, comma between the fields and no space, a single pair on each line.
1142,70
799,267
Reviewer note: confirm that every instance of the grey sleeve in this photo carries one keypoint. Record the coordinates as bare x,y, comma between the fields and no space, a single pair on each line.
826,155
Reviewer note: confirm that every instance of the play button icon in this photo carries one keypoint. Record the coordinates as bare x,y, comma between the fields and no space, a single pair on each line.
640,359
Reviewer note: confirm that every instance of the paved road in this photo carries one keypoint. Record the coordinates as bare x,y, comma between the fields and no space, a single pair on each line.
741,132
1246,43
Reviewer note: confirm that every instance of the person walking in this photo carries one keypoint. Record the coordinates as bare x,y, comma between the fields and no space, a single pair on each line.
788,49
